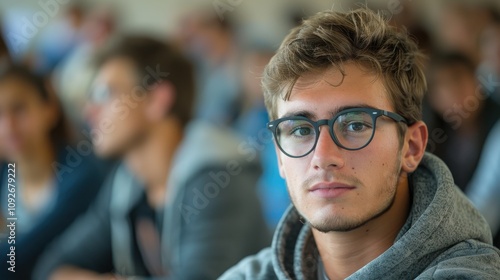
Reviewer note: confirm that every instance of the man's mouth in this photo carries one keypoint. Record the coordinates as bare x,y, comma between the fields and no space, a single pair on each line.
330,189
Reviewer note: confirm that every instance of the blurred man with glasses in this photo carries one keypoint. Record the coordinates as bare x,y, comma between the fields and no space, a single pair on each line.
183,202
344,94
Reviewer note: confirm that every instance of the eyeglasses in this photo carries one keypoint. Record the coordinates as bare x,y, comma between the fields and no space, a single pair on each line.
351,129
100,94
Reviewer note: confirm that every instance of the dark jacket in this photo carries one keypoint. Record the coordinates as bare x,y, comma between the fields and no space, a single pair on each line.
484,189
76,187
462,168
444,237
211,219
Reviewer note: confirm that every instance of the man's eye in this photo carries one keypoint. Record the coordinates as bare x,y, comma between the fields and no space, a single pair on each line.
301,131
356,127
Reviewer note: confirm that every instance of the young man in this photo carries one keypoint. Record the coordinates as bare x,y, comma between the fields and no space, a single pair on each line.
183,204
344,92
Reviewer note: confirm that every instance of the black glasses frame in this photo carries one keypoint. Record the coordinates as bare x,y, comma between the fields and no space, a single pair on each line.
374,113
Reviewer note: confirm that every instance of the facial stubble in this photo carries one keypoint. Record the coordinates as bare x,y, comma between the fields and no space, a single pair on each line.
338,223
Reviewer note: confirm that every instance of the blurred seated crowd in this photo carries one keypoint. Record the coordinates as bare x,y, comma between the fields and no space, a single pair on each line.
139,155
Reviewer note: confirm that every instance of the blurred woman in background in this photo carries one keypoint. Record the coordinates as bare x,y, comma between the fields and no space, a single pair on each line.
54,180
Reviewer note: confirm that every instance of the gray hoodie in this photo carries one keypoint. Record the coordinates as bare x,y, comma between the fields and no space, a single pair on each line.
444,237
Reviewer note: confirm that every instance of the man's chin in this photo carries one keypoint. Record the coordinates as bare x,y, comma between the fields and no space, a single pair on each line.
338,222
331,216
338,226
341,218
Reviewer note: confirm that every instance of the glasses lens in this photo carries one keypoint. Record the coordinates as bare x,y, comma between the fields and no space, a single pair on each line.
100,94
296,137
353,129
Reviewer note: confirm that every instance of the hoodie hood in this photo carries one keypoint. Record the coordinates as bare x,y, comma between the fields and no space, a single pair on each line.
440,217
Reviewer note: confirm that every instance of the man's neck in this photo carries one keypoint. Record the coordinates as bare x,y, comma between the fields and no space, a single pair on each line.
343,253
151,160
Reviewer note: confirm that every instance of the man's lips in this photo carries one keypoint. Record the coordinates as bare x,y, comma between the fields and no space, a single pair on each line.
330,189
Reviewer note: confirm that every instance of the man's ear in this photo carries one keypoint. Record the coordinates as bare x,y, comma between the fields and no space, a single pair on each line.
414,146
160,101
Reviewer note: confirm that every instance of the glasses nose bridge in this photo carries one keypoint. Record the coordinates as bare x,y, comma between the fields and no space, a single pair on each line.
321,123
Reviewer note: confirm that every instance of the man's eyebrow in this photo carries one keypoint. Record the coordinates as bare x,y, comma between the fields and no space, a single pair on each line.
311,115
301,113
346,107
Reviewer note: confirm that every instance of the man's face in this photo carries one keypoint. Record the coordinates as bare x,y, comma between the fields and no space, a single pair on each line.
116,113
351,187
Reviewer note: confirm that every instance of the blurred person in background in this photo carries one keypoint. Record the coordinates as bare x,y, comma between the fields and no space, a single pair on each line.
489,69
73,76
406,16
459,27
251,125
57,40
183,204
211,44
462,110
5,59
53,182
484,188
4,63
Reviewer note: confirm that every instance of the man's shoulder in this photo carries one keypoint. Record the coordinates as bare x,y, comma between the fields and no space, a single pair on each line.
470,259
259,266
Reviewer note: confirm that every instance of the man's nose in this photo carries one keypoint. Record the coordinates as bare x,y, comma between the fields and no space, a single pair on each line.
327,154
90,112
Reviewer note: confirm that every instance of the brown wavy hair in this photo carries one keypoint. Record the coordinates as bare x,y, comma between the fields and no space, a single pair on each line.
331,39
